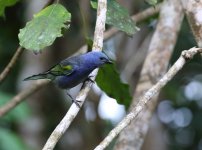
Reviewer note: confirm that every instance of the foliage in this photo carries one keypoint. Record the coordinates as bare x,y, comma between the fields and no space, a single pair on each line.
151,2
44,28
19,113
9,140
118,17
4,4
109,81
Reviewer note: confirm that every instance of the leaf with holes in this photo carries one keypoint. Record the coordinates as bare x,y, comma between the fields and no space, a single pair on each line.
44,28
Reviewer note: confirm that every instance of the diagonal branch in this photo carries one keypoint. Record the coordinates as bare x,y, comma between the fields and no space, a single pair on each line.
153,91
11,64
73,111
138,17
20,97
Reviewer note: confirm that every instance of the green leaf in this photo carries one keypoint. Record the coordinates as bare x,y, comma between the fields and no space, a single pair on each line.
151,2
93,4
109,81
6,3
46,26
89,43
119,17
10,141
19,113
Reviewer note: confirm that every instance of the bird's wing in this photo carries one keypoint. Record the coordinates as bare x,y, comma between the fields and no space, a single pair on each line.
57,70
61,69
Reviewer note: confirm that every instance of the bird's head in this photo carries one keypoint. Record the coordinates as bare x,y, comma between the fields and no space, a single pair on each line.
99,58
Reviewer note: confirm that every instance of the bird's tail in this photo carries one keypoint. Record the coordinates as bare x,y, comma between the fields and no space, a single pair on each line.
40,76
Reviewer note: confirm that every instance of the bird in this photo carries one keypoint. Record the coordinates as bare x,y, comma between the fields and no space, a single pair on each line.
73,70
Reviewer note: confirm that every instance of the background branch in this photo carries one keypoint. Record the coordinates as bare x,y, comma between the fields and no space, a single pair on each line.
22,96
73,111
193,11
153,91
11,64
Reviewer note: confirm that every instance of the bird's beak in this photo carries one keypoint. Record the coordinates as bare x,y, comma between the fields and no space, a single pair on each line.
110,62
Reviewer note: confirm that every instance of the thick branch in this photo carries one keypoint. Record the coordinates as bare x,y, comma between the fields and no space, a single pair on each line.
186,55
193,9
73,111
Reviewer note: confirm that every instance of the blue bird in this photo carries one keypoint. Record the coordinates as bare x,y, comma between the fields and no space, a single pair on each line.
73,70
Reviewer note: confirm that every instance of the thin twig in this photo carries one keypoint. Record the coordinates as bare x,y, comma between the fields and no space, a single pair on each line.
10,65
73,111
186,55
150,12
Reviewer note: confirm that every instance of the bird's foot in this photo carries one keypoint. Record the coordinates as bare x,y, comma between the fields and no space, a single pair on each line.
89,79
74,101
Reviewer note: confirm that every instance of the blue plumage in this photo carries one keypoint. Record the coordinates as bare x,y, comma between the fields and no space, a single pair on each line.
73,70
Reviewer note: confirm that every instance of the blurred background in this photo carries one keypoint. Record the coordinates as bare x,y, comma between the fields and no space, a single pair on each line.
177,121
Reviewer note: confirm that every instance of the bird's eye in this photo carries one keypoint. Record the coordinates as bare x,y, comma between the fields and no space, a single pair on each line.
102,58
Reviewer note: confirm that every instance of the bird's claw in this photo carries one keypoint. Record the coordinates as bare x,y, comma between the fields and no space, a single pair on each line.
76,102
89,79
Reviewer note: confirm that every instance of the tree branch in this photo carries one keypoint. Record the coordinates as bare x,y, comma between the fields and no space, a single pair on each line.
186,55
73,111
21,96
10,65
193,9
